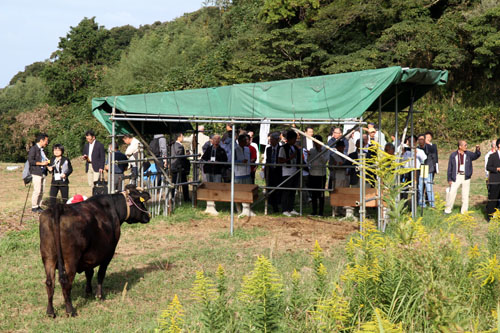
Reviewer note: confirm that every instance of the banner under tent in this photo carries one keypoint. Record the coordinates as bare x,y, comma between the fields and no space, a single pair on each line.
328,99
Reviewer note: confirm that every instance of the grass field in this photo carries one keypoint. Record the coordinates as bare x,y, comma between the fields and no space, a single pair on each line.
155,261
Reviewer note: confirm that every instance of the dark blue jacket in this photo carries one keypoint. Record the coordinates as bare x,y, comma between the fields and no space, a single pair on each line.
452,164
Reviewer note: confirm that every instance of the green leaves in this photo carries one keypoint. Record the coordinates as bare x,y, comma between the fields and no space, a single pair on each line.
262,295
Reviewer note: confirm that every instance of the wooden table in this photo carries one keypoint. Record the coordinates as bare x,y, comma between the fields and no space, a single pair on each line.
243,193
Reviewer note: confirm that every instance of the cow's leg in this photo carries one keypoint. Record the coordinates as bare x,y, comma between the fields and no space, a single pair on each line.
88,288
100,278
50,271
66,284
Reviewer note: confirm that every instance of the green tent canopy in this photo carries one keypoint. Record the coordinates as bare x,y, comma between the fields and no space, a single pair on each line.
327,97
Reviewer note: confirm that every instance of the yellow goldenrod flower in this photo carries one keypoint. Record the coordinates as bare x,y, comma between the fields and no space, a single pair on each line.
171,319
380,323
488,271
473,252
203,288
331,314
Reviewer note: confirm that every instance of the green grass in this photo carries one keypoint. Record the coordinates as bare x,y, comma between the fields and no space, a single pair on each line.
155,260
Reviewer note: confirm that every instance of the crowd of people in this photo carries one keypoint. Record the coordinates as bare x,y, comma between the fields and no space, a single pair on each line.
285,160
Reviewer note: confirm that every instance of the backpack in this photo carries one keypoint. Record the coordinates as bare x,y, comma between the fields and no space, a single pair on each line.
155,147
27,178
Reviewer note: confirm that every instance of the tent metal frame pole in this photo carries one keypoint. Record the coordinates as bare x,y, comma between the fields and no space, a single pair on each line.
362,208
414,156
194,201
301,183
396,137
217,121
111,159
233,131
379,186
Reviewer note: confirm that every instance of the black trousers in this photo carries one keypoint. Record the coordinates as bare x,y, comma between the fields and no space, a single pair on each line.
317,196
274,179
493,196
56,188
118,182
181,177
288,196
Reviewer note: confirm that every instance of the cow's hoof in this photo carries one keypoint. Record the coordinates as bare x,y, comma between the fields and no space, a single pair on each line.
100,297
51,314
72,314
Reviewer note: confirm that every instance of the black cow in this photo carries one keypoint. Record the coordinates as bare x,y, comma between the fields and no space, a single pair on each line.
78,237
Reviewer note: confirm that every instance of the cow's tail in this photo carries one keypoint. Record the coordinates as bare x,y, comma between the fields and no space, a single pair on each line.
57,209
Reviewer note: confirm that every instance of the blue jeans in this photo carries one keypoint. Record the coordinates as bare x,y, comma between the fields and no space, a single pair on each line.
428,188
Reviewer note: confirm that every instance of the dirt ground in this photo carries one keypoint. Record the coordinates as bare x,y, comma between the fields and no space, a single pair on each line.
283,232
289,231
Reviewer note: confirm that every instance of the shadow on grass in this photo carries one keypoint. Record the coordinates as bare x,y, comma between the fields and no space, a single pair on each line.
114,282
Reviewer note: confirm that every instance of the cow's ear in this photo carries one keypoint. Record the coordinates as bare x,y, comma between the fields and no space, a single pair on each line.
130,187
145,196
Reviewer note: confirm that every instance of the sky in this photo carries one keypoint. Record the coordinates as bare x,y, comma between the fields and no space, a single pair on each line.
31,29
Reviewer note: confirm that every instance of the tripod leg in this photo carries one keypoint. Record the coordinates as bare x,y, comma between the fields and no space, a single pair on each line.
25,201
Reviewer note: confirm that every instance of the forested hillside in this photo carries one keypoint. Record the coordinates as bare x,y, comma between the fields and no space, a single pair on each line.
259,40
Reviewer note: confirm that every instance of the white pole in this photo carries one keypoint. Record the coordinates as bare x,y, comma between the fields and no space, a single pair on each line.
232,175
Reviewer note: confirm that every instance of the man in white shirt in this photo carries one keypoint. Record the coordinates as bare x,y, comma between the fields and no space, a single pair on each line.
493,149
132,154
202,138
309,143
253,144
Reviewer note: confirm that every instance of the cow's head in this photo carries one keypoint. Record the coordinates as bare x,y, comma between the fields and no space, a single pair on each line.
136,199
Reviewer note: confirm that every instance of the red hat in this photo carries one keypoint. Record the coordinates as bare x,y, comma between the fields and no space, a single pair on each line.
77,198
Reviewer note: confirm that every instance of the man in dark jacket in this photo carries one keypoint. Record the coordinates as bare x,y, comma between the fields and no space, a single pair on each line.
180,165
95,156
119,168
273,173
38,168
493,168
459,174
214,153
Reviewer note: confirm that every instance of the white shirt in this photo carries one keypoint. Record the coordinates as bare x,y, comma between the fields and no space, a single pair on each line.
486,161
287,171
380,138
253,144
91,149
241,154
408,155
202,139
132,148
309,144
